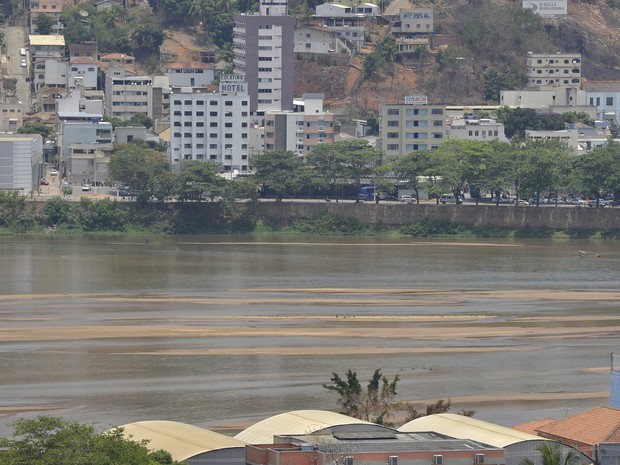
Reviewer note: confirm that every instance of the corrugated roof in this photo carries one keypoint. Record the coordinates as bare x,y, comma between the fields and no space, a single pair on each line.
47,40
462,427
297,422
592,427
180,439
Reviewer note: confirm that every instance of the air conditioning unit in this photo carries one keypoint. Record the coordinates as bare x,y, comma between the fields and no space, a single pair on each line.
437,459
393,460
479,458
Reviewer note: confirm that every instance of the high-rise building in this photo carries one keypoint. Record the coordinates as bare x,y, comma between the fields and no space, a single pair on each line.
212,126
263,54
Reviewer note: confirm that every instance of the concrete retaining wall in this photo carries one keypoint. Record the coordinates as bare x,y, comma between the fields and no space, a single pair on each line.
566,218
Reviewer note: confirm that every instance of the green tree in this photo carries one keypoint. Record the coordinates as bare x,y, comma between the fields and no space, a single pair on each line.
142,168
517,120
373,123
598,172
541,166
51,441
137,119
281,170
551,454
199,180
358,159
411,169
327,168
44,24
495,177
37,128
147,38
496,80
374,404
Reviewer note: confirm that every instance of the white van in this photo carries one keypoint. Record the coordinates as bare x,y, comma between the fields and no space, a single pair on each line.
447,198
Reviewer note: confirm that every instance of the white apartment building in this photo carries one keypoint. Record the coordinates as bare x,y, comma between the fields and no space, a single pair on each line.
409,127
46,46
605,96
471,128
318,40
21,159
553,69
126,95
302,129
211,126
263,47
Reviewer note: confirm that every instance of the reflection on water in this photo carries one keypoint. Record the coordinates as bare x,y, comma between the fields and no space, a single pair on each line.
116,330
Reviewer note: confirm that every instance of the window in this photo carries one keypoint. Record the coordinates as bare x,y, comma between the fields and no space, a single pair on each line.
392,135
393,111
200,124
212,124
437,111
609,101
438,123
213,113
200,135
392,146
228,125
393,123
228,103
212,146
213,135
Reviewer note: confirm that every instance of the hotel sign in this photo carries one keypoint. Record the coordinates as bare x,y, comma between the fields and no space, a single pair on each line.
232,83
547,8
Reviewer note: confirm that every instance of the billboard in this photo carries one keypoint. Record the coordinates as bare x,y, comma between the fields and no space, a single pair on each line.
232,84
547,8
416,99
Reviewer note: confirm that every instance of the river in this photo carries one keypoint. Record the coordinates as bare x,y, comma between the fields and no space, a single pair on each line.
221,332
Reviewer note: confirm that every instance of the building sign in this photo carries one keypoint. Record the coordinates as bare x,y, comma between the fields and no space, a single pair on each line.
547,8
416,100
232,83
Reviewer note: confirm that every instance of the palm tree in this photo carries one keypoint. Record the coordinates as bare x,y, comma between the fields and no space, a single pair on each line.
201,9
551,454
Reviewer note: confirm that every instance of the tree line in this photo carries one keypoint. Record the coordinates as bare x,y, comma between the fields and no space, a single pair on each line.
525,168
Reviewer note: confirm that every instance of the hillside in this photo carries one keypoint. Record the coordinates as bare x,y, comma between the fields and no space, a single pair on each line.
473,37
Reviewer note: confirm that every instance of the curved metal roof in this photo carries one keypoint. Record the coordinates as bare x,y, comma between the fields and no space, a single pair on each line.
296,422
180,439
462,427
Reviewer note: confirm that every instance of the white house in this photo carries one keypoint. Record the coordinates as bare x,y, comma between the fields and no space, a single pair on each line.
190,74
85,68
471,128
50,72
320,40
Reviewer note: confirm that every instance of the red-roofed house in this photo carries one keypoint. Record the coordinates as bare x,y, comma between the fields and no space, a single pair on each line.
587,431
86,70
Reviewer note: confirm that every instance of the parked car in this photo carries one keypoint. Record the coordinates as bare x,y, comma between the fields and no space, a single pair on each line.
388,197
601,203
54,172
406,198
45,182
577,201
521,202
447,198
557,200
23,63
86,188
22,52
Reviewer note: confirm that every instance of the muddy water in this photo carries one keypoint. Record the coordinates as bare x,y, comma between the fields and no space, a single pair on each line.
217,331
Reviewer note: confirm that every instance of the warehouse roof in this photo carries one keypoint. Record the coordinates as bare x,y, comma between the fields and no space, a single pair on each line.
462,427
296,422
180,439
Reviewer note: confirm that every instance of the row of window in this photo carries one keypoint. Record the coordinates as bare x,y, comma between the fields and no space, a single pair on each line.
415,135
414,123
227,103
411,147
212,124
555,81
202,113
213,135
552,71
415,111
609,101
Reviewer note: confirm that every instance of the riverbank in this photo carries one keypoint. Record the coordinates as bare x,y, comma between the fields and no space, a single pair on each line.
309,218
